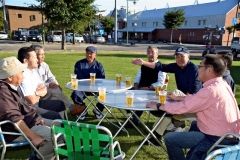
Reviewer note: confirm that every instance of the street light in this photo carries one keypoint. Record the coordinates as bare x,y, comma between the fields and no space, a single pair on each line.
116,24
134,2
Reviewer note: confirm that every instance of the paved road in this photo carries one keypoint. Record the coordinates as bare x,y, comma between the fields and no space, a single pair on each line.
164,49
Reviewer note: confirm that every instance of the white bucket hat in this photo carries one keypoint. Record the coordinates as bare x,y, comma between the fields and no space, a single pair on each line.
10,66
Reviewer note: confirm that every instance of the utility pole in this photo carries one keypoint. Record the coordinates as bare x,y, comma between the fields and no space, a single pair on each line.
5,23
116,24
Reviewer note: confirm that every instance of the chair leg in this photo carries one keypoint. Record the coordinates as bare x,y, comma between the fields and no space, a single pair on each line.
3,152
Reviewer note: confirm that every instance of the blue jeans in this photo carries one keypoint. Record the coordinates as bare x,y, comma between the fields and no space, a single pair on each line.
198,142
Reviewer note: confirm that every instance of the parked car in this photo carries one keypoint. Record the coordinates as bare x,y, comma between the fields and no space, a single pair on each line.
3,35
235,47
78,38
33,35
20,35
99,39
54,36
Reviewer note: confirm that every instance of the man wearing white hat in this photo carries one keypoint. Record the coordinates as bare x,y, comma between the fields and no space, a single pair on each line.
15,108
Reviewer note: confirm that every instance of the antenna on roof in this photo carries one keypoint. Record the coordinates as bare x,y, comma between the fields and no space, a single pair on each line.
196,2
167,5
145,8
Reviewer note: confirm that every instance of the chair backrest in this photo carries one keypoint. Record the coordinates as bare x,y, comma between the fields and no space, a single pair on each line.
82,141
227,153
18,132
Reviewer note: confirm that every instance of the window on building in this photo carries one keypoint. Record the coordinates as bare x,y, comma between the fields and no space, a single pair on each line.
204,22
32,18
144,24
19,15
199,22
185,23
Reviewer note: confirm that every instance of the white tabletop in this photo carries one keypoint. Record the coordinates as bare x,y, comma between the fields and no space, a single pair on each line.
141,97
110,85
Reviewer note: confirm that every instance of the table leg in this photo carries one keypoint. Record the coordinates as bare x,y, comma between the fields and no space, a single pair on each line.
150,134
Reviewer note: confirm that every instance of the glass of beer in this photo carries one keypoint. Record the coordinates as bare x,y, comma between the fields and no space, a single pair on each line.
74,81
129,99
128,81
162,97
118,79
157,89
92,77
102,94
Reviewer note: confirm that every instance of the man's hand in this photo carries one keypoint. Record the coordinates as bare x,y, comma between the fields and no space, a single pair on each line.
151,105
137,61
41,90
53,85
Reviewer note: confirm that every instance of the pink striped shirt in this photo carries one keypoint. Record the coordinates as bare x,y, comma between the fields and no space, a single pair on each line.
215,107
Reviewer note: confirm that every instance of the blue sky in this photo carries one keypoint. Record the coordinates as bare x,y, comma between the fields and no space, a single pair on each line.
109,4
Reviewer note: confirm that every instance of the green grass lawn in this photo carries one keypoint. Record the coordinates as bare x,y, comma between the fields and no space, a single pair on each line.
62,64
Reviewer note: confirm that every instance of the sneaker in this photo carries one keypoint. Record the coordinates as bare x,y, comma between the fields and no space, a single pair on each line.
97,113
82,116
79,110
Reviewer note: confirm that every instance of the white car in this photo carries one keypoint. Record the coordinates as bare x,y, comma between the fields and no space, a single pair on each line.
3,35
55,36
78,38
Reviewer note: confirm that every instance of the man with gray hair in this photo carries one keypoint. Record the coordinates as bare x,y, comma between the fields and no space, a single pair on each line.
16,109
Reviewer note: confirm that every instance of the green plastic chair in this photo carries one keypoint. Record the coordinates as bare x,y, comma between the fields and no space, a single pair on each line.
76,141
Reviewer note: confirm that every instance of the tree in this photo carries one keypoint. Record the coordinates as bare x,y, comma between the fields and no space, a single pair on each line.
108,23
173,20
230,30
1,21
68,14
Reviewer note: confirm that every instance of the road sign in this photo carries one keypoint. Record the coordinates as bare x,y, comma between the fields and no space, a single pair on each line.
234,21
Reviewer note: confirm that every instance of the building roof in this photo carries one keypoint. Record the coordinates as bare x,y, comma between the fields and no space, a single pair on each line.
205,9
22,8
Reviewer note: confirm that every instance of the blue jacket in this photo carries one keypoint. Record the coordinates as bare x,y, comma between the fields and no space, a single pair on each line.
186,78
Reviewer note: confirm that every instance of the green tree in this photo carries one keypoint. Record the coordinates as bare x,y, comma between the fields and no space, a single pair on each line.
230,30
173,20
67,14
108,23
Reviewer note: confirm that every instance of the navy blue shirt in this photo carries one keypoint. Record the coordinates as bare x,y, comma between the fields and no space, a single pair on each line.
83,69
228,78
186,78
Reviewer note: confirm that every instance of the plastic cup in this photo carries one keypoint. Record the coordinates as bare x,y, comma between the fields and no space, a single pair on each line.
92,77
129,99
162,97
157,89
102,94
118,79
74,81
128,81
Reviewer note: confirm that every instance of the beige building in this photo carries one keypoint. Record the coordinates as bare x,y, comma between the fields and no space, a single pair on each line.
22,18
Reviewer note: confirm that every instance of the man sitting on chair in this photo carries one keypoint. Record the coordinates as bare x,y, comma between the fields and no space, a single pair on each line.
15,108
82,69
215,107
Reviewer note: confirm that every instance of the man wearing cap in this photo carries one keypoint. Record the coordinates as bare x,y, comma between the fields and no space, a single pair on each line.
82,69
17,110
185,71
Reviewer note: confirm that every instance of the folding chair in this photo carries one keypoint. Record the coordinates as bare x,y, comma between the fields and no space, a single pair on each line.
4,145
84,141
225,152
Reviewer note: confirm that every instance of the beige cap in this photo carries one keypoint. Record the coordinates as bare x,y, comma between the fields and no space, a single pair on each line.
10,66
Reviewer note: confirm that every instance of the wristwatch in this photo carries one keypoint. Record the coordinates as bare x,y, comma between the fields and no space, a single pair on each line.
158,106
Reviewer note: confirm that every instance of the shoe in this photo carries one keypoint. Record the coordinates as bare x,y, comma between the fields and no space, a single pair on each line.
79,110
97,113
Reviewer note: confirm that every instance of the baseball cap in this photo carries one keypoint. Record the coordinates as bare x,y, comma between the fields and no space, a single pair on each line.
91,49
181,50
10,66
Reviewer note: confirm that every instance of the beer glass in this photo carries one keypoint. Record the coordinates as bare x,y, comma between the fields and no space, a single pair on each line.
128,81
92,77
118,79
102,94
74,81
162,97
129,99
